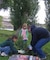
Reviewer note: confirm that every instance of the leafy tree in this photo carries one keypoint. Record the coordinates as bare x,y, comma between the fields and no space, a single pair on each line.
47,2
21,10
1,20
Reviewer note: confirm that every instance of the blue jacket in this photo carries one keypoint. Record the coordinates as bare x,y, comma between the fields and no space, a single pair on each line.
38,33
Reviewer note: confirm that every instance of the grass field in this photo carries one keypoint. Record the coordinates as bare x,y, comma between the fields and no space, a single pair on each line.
5,34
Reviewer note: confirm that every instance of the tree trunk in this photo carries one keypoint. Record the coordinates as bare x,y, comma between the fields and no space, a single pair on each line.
15,28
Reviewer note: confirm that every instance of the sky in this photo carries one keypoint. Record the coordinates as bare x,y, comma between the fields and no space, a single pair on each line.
5,13
41,13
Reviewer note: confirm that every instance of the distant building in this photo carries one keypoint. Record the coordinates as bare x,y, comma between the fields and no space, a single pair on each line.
6,23
41,25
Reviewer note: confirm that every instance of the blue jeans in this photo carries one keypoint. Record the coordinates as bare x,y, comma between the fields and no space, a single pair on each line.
39,44
5,49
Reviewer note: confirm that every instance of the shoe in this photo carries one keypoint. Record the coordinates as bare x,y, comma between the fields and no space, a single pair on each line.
3,54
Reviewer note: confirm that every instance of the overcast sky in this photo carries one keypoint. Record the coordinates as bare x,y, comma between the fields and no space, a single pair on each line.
41,13
5,12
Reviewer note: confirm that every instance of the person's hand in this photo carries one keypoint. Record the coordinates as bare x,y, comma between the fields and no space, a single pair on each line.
21,51
29,47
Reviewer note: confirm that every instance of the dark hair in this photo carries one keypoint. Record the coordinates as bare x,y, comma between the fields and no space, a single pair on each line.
33,27
14,36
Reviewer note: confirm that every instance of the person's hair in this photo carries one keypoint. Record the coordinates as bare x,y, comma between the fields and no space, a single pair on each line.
25,25
14,36
29,26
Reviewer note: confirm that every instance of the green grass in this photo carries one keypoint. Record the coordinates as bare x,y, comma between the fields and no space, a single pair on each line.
3,58
46,49
5,34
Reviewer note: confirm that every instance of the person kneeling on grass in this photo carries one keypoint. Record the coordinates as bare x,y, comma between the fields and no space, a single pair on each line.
40,37
8,46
